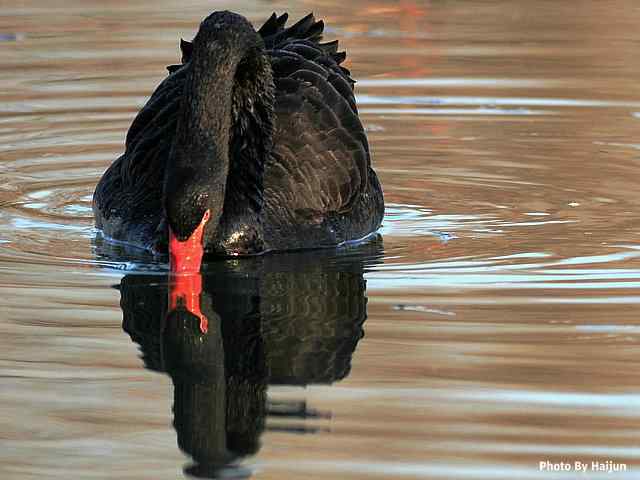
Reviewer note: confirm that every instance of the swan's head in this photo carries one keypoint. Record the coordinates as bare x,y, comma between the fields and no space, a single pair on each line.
192,219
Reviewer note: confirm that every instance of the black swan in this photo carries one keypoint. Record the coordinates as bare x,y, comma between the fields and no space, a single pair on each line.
252,144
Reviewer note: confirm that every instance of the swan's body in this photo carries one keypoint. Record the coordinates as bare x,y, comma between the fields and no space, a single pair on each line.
259,131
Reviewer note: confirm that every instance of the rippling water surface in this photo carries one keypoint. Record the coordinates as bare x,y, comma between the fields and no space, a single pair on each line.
494,326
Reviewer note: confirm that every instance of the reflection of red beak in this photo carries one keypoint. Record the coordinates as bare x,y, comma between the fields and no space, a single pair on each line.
185,286
185,291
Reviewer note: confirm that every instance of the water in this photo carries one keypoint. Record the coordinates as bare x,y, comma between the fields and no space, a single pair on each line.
494,326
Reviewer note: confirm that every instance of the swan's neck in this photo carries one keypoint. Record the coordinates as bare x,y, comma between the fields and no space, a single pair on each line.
224,132
251,135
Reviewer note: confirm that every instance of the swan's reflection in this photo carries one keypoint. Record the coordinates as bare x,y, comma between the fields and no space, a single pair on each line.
291,319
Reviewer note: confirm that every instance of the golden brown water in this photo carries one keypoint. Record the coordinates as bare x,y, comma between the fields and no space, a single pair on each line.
502,323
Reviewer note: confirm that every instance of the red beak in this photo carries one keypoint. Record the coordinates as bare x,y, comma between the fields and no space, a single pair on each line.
185,258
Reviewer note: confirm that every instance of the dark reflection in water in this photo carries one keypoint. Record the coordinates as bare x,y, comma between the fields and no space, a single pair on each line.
287,319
